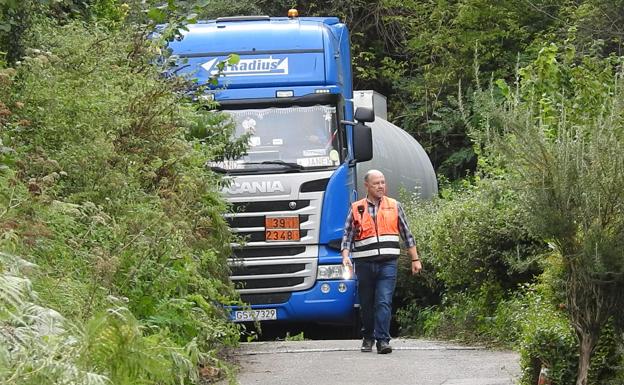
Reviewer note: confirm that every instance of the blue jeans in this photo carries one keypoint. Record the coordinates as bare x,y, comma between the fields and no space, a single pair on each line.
376,283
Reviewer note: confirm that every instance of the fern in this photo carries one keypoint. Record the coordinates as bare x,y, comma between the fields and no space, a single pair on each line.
38,345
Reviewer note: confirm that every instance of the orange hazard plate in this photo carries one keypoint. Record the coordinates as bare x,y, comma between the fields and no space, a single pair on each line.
282,228
282,235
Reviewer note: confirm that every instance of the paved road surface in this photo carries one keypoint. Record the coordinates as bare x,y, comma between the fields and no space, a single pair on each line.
413,362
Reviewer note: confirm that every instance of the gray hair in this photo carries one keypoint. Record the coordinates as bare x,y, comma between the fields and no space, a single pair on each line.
371,172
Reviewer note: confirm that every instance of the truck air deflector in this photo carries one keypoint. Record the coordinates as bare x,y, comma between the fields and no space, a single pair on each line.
230,19
254,36
249,53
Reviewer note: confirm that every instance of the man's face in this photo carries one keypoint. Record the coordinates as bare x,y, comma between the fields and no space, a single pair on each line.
376,186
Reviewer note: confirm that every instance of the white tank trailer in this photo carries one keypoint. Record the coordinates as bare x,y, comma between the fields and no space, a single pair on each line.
396,153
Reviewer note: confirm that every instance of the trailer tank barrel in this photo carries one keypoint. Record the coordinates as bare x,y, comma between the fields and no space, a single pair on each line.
396,153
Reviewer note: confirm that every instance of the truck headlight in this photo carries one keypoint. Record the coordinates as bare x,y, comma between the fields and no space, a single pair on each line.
333,272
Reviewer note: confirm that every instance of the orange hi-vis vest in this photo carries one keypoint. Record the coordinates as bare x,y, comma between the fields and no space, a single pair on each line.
376,236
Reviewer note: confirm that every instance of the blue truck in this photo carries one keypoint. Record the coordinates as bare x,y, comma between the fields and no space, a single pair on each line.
291,94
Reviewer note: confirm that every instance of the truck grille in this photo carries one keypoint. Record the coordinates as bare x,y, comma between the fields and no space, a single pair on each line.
247,219
267,272
265,284
257,221
263,252
268,206
273,275
271,269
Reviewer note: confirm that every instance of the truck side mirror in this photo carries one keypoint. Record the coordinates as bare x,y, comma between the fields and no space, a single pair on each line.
364,114
362,143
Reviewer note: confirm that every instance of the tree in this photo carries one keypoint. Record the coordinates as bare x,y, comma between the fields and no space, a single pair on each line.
561,135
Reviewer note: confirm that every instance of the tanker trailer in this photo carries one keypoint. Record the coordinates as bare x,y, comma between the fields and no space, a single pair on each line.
396,153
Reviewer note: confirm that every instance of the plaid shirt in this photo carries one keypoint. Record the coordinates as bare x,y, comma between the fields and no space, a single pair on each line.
349,230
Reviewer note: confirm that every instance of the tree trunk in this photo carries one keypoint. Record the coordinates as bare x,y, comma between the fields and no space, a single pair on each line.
587,343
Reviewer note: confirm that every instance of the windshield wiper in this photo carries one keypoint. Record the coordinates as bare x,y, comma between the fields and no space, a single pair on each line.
223,170
291,165
218,169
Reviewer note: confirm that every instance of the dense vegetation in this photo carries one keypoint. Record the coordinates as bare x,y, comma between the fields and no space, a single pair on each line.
112,246
104,193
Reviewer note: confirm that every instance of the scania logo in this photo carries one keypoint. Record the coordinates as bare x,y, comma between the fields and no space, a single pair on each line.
250,67
256,187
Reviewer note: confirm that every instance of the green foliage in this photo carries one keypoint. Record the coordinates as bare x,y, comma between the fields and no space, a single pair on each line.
560,138
547,340
115,343
607,362
487,316
112,12
531,321
38,345
574,135
106,190
476,252
418,52
476,236
296,337
461,316
15,18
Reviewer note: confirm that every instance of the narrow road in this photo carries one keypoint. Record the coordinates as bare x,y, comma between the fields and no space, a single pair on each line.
413,362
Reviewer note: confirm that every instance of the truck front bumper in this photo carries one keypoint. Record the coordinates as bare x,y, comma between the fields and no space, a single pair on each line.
324,302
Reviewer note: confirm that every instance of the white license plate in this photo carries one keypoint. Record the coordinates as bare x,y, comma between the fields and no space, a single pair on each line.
255,315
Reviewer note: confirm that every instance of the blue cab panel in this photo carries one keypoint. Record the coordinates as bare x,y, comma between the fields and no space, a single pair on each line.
273,53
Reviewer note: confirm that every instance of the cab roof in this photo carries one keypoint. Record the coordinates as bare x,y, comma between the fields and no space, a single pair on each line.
248,35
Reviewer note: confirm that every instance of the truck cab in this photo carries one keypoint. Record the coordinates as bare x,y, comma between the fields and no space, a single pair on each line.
290,193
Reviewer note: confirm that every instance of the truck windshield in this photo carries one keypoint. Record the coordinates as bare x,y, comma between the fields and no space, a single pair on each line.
298,137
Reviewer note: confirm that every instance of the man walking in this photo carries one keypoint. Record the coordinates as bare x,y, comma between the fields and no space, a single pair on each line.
372,232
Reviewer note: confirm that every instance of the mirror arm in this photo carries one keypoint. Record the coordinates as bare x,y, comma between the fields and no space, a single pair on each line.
352,162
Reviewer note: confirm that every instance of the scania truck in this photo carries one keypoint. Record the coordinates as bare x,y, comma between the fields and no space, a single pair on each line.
291,94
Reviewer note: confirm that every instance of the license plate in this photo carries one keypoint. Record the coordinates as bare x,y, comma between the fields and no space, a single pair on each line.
282,228
255,315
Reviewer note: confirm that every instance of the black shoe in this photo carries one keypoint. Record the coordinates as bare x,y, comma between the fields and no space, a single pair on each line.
383,347
367,345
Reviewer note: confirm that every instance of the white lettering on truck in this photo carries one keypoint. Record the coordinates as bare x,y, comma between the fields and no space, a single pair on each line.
250,67
255,187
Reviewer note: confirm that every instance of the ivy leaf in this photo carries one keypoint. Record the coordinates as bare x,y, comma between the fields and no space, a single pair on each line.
191,18
503,87
233,59
157,15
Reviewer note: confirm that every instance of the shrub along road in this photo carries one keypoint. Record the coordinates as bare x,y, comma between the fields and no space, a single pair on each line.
340,362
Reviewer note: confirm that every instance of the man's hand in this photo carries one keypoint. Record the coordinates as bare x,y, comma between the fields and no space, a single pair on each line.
346,261
416,267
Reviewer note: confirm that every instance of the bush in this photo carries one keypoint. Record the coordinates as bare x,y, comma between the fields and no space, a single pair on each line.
547,340
475,251
483,317
109,197
476,236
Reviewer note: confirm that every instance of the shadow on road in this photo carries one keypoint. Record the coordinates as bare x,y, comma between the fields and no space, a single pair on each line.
272,331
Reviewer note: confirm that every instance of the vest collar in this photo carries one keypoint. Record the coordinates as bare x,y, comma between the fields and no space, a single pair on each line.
370,201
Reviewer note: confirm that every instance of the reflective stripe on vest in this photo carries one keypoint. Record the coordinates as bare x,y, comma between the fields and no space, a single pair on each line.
376,237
